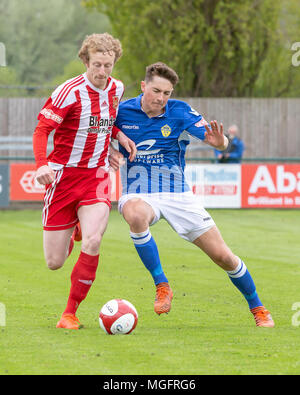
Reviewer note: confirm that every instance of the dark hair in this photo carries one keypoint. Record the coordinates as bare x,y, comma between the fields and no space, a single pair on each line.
160,69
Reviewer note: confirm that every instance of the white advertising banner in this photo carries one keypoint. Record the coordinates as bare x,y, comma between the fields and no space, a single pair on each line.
217,185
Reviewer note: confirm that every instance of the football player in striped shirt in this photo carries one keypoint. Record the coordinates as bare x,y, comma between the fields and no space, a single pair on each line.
81,112
154,185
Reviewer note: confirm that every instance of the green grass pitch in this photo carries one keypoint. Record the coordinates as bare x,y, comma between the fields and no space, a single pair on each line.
209,329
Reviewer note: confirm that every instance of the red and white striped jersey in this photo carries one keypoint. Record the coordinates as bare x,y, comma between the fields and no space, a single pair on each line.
83,117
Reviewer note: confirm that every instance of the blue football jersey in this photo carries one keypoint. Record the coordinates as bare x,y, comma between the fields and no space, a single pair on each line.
161,143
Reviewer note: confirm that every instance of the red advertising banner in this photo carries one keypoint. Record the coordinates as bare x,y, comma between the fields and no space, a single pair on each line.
24,187
116,185
271,186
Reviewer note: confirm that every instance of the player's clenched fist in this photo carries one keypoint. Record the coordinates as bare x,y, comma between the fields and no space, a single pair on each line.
45,175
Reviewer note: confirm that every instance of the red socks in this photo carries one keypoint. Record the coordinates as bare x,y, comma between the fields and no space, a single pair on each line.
82,278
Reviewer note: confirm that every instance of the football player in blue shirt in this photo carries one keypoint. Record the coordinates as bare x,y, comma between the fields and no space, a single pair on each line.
154,186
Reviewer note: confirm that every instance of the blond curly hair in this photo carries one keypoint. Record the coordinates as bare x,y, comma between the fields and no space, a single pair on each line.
103,42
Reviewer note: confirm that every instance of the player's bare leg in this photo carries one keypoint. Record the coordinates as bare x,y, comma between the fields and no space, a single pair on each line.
139,215
212,243
56,247
93,220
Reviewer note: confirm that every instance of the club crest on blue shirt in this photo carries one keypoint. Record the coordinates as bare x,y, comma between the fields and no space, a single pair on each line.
166,130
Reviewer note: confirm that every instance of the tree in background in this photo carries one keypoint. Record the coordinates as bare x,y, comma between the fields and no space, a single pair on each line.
278,76
9,79
219,48
43,36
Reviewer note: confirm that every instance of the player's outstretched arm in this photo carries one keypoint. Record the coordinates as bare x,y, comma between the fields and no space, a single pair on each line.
214,136
44,174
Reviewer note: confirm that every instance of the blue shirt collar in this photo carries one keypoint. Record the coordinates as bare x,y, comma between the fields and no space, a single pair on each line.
138,103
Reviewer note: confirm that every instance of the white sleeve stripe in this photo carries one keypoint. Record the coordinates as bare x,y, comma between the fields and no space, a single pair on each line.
61,89
66,90
64,87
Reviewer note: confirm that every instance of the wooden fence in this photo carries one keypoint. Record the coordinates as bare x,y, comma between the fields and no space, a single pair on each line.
270,128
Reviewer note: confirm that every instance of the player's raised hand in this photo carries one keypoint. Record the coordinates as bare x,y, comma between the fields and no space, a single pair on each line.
214,136
45,175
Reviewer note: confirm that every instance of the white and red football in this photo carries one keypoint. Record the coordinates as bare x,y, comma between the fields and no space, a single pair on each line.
118,317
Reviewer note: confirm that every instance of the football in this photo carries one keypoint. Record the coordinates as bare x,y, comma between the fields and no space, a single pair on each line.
118,317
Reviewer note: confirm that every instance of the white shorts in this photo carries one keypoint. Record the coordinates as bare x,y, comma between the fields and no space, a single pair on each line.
181,210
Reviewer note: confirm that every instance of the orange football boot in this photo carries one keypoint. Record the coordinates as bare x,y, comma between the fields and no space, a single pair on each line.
77,232
262,317
77,236
69,321
163,298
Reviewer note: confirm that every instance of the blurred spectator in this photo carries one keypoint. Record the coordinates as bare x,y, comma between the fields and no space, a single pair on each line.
235,149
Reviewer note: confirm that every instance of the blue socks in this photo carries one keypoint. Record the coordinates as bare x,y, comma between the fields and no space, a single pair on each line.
242,279
148,252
